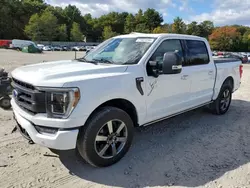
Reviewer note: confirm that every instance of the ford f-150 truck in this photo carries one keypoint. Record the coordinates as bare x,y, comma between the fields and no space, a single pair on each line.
93,103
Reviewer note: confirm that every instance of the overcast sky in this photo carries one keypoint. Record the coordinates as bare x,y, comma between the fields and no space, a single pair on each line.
221,12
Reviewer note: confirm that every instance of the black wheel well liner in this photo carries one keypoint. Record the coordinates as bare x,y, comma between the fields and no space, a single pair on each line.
230,80
122,104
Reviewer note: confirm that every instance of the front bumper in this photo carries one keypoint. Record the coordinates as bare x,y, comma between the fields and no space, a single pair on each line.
61,140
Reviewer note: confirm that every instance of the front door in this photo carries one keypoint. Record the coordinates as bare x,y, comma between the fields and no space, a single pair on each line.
167,94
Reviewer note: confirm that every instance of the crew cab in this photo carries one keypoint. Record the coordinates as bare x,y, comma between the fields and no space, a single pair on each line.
93,103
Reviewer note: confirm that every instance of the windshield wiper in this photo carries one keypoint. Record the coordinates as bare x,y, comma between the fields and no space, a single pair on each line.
86,61
104,61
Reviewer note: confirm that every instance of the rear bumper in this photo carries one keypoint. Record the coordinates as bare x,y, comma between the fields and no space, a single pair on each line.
62,139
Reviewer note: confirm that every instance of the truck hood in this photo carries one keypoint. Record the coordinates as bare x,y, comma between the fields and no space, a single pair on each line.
57,73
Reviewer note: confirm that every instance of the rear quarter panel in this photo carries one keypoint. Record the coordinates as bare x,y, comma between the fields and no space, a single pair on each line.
225,70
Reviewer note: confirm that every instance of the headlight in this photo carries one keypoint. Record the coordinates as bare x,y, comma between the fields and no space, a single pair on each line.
61,102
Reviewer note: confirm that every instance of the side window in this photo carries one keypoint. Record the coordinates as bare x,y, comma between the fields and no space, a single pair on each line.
170,45
197,53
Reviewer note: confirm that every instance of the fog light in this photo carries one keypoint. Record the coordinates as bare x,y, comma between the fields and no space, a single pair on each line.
46,130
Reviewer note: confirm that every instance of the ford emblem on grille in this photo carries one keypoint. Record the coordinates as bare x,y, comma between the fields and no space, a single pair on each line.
15,93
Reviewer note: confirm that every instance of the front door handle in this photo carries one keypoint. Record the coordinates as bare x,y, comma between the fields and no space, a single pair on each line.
184,77
210,72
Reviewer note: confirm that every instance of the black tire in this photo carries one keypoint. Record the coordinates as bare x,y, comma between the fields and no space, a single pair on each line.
87,144
5,103
216,106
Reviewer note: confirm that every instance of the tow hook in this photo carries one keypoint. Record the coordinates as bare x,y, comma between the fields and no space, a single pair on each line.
31,142
14,130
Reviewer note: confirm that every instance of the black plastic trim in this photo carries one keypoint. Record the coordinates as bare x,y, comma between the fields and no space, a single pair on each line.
138,81
28,98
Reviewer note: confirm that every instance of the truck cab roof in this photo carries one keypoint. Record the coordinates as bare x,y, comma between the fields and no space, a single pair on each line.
160,35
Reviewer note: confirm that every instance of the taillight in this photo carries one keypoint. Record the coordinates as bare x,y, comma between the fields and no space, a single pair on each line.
241,70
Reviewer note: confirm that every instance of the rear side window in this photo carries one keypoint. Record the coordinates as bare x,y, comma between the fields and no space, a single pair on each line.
197,53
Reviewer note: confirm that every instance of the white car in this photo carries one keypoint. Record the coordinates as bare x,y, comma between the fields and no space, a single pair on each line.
40,46
47,48
92,104
19,44
75,48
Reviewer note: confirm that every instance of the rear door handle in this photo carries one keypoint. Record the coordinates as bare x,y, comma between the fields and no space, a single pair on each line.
184,77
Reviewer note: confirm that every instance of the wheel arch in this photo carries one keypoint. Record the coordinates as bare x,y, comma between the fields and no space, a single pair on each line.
122,104
230,80
219,84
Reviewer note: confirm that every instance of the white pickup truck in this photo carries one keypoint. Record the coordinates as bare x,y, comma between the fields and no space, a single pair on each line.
93,103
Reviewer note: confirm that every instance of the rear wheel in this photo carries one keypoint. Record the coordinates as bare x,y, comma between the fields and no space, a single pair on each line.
106,137
221,105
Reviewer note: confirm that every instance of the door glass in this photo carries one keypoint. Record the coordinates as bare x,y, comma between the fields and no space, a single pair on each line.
171,45
197,53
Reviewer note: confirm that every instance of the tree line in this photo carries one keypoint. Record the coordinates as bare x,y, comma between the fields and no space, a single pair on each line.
39,21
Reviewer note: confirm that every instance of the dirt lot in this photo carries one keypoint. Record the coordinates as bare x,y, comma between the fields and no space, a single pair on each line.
10,59
195,149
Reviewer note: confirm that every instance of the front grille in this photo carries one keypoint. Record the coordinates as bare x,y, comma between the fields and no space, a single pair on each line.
28,98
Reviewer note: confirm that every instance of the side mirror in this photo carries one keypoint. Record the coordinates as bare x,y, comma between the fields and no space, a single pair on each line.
172,63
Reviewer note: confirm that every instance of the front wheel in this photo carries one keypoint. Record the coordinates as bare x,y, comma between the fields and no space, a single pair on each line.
106,137
221,105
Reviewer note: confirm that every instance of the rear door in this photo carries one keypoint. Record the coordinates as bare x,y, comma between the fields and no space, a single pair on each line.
202,71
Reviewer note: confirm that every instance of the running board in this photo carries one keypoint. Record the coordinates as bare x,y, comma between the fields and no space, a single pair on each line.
167,117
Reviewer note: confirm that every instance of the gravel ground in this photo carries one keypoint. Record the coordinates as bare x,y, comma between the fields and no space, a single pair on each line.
10,59
195,149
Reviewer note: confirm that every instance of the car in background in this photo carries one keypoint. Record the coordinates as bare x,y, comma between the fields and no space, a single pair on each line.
40,46
82,48
47,48
5,43
248,57
243,58
19,44
57,48
65,48
88,48
75,48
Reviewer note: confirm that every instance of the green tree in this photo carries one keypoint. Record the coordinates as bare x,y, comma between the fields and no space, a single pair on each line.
139,19
142,28
62,32
48,26
152,19
108,33
42,27
160,29
206,28
193,28
75,33
246,40
33,29
73,14
130,24
178,26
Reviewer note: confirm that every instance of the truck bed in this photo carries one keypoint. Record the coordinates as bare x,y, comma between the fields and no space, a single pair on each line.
225,60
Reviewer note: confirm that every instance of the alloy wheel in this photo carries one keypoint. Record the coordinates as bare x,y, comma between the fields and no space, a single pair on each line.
111,139
225,100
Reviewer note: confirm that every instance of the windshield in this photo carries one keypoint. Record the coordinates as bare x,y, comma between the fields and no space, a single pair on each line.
120,50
